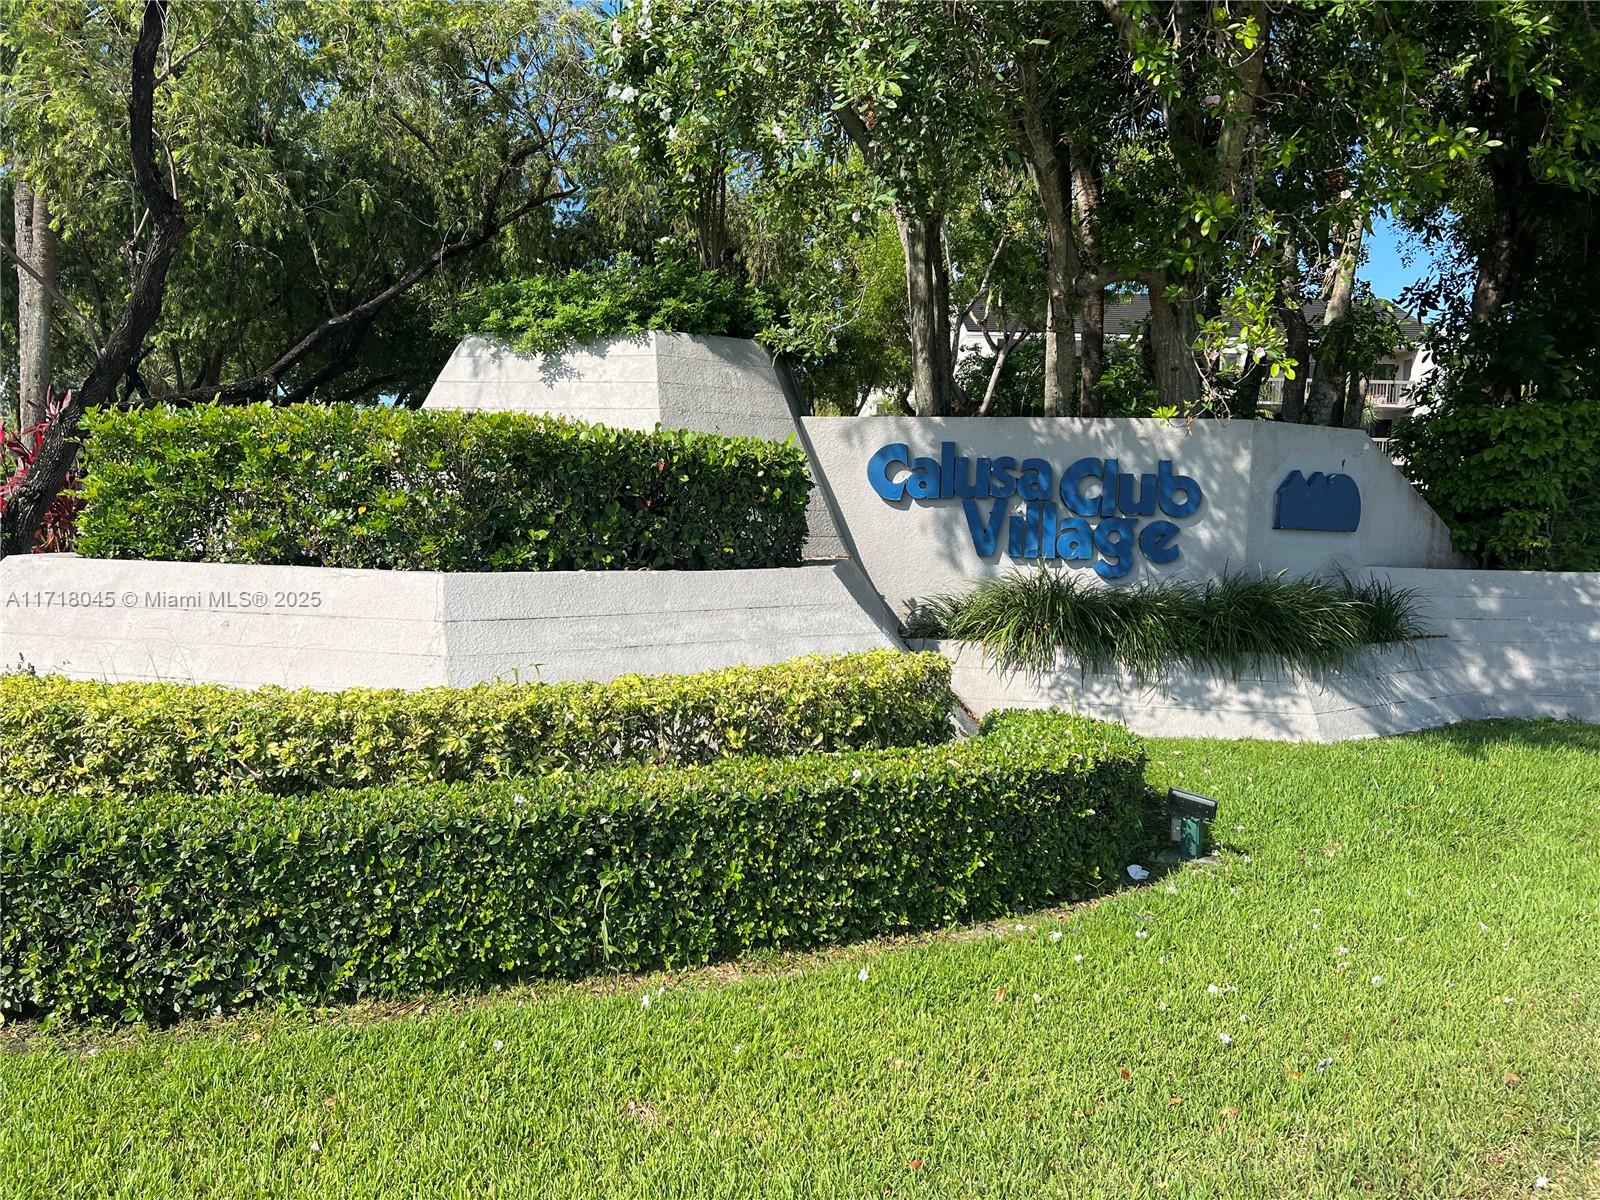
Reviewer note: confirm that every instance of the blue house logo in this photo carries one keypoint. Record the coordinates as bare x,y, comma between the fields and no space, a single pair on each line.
1328,503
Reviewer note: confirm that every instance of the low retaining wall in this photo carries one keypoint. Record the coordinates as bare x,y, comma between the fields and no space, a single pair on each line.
328,628
1507,644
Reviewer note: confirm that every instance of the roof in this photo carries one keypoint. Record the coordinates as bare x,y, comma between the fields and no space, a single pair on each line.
1124,318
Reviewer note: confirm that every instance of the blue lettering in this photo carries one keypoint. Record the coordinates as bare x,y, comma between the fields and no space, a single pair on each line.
985,534
980,482
1171,484
1072,487
1075,541
1037,479
1017,539
1108,489
1116,556
924,481
1001,482
1145,505
1157,541
878,471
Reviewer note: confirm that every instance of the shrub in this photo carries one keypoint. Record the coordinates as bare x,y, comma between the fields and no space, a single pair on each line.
338,486
18,452
1219,625
548,313
154,908
129,739
1518,486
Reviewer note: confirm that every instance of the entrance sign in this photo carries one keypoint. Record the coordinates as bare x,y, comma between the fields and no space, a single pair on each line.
1093,512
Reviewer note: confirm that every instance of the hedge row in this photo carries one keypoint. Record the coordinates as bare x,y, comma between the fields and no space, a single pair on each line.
338,486
132,739
161,907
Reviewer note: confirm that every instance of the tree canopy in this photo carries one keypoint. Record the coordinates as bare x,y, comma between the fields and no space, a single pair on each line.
326,193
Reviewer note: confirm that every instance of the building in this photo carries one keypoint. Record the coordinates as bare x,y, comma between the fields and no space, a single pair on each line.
1390,392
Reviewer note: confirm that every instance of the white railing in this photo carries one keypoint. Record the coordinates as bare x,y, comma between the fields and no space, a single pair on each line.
1383,393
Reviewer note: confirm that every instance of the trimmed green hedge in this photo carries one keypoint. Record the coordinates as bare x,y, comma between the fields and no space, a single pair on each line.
155,908
337,486
131,739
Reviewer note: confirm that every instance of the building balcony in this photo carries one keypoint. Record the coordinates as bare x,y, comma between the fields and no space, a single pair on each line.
1386,399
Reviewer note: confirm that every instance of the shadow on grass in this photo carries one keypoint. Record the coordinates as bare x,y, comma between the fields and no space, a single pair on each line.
1480,737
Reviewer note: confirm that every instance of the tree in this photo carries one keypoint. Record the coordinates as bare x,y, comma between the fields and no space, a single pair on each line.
326,160
816,84
35,245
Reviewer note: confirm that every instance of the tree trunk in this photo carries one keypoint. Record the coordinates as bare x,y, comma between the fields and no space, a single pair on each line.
1086,194
1355,403
1050,168
928,301
1092,363
1328,387
1297,345
1173,331
992,392
711,213
1500,258
35,245
1247,396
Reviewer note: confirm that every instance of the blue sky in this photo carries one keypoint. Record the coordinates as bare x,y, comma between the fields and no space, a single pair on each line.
1385,268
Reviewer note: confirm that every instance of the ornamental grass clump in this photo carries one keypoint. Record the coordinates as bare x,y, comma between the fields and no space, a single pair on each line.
1218,626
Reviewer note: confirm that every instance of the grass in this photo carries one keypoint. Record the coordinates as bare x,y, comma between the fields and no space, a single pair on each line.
1402,943
1218,626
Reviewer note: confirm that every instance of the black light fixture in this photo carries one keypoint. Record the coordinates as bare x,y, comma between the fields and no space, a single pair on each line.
1192,815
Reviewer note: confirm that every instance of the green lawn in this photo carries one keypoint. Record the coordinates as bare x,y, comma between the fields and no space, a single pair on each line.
1391,986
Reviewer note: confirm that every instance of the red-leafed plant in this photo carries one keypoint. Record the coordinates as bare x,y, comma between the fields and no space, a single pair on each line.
18,450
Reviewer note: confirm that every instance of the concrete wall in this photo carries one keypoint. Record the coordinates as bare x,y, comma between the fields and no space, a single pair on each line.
1506,644
706,384
328,628
913,549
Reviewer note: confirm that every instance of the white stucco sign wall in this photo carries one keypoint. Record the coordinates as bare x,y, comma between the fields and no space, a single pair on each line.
928,505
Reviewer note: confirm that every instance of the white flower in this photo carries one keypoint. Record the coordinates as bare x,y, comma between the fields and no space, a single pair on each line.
1037,997
628,94
1142,934
1055,935
616,35
666,113
1541,1183
645,1003
1377,981
1226,1040
1212,989
862,974
1077,958
499,1045
316,1147
1341,950
777,133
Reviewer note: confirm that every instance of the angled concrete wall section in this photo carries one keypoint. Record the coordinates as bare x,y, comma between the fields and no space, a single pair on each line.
911,550
1505,644
706,384
326,628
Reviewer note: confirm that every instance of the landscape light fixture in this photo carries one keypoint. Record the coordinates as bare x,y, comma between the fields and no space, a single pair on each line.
1192,815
